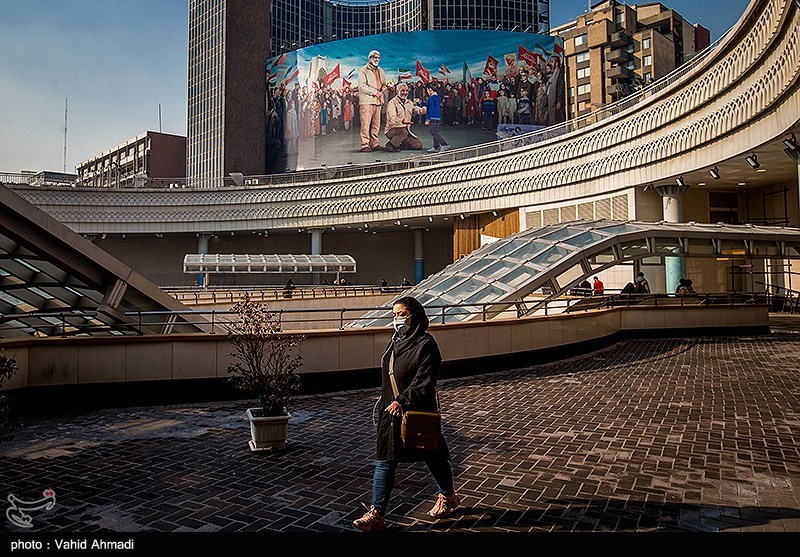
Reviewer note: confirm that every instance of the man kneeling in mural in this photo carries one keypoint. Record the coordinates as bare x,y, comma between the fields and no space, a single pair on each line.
399,112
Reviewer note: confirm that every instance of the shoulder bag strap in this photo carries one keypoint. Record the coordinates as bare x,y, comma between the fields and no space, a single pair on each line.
391,374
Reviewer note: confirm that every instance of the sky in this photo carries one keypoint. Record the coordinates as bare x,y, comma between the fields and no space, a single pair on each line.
116,61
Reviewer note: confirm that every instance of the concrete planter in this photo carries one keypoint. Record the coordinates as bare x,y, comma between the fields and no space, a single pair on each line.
267,433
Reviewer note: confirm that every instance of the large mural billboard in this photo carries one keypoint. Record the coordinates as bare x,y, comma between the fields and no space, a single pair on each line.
338,103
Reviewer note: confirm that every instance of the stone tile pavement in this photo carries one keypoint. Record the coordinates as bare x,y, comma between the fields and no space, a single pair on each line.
667,435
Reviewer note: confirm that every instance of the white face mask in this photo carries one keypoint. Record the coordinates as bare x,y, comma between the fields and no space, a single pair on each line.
399,323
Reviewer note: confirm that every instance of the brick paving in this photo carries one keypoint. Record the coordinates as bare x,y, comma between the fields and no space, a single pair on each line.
668,435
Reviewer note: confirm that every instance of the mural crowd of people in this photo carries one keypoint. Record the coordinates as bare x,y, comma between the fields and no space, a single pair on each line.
527,96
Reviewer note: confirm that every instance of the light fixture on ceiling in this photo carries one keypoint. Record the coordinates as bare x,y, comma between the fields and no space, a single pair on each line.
266,233
742,183
430,219
461,216
714,173
679,180
333,228
494,213
397,222
701,183
752,160
366,225
792,150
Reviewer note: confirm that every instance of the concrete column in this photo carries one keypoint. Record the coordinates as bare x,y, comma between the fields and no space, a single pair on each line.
202,248
672,198
316,249
419,255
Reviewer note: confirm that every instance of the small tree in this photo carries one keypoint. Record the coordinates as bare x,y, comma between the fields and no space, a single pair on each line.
264,363
8,367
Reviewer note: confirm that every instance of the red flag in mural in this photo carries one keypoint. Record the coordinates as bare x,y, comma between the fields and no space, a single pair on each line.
332,76
530,58
422,73
490,69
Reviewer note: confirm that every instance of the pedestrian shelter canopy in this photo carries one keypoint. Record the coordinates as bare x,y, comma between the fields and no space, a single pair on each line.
241,263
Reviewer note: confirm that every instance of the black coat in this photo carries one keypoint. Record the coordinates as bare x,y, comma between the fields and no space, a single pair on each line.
416,367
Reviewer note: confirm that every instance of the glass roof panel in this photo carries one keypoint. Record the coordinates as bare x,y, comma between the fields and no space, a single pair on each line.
562,234
618,229
527,251
551,256
586,239
498,269
487,294
465,289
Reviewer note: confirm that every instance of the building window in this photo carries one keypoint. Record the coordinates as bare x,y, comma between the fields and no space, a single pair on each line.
620,18
648,77
584,89
582,57
580,39
647,42
647,60
583,72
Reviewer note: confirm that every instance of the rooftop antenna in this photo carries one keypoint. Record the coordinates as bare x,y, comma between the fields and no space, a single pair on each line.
159,117
65,134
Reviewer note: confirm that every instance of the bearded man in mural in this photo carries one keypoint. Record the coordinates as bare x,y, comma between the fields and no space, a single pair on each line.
371,80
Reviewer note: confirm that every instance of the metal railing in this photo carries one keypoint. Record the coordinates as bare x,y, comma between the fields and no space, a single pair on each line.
788,302
218,321
422,161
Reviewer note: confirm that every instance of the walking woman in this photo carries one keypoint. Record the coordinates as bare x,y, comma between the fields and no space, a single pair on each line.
413,357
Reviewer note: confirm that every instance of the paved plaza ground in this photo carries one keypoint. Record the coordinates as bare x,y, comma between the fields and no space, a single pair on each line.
651,435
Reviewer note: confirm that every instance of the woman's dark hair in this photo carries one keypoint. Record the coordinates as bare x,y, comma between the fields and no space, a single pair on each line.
416,310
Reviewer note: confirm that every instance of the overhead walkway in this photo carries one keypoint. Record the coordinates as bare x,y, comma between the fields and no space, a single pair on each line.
553,259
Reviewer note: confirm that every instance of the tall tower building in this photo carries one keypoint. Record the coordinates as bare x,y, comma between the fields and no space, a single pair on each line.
228,49
300,23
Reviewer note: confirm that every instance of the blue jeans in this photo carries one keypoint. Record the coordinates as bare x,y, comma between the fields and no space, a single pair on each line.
383,480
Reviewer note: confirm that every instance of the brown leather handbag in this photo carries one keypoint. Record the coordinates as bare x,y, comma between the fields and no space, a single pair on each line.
419,431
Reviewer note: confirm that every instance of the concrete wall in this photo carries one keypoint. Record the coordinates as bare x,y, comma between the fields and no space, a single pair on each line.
54,361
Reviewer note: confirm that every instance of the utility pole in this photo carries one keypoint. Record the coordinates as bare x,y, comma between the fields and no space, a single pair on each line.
65,134
159,117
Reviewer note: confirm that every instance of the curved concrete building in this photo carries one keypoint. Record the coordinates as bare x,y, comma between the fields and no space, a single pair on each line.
655,156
